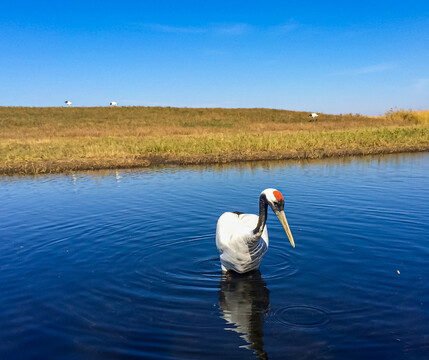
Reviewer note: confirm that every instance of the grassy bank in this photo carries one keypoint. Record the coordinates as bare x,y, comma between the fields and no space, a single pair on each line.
41,140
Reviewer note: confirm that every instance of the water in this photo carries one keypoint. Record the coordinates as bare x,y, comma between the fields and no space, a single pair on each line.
109,265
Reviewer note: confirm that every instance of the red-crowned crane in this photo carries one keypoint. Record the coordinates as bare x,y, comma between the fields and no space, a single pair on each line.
242,239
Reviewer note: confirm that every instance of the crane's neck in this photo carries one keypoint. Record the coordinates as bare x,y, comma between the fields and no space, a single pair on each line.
263,206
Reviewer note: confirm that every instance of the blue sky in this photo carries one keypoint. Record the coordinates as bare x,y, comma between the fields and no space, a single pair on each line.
325,56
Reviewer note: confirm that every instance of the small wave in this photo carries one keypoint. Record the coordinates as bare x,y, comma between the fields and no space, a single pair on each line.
308,316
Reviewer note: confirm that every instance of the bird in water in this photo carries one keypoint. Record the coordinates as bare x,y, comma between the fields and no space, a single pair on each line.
242,239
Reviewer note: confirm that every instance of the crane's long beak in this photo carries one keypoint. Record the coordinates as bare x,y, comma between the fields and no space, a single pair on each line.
282,217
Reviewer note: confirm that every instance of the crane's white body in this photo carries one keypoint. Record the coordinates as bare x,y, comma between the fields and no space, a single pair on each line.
113,103
68,103
313,115
239,248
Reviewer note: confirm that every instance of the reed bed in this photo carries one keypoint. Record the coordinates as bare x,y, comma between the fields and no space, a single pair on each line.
414,116
43,140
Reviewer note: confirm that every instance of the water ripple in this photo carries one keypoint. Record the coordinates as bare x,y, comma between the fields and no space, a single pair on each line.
308,316
279,262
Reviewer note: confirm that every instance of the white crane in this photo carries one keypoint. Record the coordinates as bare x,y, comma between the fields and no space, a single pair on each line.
313,115
68,103
113,103
242,239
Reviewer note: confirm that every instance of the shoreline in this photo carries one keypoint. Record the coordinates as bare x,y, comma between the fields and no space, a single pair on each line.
66,166
60,140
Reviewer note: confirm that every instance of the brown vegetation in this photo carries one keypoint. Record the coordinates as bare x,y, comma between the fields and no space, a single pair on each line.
43,140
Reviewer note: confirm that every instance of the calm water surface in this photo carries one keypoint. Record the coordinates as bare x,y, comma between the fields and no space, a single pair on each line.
110,265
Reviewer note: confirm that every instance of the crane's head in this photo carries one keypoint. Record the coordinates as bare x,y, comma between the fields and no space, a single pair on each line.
277,202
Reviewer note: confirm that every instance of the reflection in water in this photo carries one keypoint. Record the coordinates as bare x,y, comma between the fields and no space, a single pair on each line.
78,253
244,300
245,167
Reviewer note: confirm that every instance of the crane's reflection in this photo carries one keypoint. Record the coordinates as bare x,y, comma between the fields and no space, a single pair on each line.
244,300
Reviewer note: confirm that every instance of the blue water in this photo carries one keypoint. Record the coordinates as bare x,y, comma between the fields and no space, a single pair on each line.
123,264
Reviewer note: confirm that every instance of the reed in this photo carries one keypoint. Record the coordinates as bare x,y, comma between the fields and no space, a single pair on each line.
411,116
43,140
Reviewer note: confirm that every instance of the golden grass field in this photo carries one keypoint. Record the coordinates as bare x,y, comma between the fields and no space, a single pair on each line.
44,140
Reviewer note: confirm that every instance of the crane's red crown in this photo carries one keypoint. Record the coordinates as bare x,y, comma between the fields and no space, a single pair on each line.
278,195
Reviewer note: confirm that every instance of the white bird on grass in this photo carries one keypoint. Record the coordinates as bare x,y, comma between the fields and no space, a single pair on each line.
68,103
242,239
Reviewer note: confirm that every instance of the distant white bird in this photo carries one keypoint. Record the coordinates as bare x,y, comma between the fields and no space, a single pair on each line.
68,103
113,103
242,239
313,115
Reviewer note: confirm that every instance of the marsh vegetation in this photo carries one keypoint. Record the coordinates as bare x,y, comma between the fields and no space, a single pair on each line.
44,140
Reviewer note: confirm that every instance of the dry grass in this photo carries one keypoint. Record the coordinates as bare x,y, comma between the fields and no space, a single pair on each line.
418,117
40,140
36,123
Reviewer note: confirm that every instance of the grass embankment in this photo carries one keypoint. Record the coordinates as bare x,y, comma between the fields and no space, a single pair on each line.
43,140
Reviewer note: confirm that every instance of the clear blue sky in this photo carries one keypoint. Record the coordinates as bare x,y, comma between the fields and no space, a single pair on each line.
326,56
